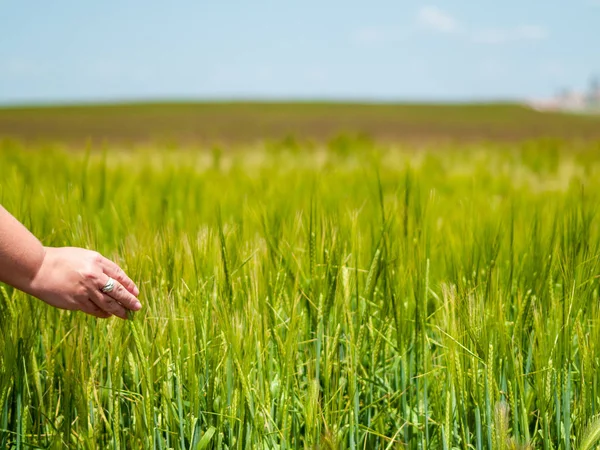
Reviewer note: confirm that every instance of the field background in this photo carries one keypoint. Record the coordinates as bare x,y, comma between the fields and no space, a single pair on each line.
230,123
313,276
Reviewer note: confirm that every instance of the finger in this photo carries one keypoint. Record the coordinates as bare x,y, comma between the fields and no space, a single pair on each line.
108,304
91,309
124,297
114,271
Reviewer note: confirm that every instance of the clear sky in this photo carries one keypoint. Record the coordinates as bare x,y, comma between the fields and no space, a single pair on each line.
311,49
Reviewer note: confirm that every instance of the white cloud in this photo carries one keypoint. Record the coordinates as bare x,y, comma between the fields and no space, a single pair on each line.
435,19
508,35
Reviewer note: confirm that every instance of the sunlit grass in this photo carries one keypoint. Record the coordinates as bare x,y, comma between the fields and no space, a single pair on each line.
349,296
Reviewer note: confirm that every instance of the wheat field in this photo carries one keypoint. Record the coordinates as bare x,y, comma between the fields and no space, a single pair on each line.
350,295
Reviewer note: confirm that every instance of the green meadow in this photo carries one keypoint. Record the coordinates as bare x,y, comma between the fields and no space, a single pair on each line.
353,294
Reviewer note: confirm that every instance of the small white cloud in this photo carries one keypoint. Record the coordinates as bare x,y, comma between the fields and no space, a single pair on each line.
507,35
435,19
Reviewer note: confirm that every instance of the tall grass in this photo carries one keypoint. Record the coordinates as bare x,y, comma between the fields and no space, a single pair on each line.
356,297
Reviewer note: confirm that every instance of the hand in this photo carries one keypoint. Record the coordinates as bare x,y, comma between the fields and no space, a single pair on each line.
72,278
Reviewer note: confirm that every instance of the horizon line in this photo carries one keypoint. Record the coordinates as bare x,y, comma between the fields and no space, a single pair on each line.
18,104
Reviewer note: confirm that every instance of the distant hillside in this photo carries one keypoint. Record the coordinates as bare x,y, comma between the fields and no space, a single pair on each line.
249,122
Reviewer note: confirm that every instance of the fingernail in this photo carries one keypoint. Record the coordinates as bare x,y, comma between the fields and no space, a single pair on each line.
137,306
136,291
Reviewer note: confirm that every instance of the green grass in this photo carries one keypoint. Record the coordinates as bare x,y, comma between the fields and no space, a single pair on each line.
349,296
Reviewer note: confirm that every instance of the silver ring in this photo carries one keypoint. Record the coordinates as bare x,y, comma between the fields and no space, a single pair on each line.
109,286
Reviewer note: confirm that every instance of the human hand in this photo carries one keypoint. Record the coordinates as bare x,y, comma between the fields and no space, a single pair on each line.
72,278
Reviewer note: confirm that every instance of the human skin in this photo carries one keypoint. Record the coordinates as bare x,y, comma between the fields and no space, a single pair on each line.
64,277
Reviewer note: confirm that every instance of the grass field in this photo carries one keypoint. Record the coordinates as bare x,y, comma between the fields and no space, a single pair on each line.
354,295
242,123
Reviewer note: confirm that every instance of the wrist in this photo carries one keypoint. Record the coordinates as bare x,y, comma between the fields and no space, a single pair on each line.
32,282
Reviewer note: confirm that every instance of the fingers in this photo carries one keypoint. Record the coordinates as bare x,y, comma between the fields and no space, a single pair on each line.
124,297
93,310
117,301
108,304
114,271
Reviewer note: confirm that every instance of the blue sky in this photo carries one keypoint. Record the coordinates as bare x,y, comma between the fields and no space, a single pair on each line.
65,51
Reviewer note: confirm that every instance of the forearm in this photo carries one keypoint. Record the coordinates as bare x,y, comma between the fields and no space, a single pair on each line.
21,253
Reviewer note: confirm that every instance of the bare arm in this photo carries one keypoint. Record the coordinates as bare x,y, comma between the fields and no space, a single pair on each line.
67,277
21,254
